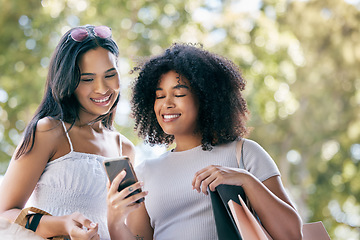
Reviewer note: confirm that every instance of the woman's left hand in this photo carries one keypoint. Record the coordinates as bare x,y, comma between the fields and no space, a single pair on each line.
214,175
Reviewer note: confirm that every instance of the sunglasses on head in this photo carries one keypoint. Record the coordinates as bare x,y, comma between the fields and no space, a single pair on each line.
81,33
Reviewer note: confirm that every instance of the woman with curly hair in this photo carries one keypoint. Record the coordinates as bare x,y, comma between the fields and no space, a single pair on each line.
193,98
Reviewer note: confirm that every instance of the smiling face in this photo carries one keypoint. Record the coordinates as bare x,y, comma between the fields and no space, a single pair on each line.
99,83
176,106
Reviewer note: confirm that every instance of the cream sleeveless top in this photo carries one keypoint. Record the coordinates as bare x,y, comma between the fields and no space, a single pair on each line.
75,182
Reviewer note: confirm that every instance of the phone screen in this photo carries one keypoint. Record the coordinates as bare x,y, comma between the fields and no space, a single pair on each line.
114,166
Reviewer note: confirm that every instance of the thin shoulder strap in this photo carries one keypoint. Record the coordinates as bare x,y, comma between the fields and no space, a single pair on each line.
239,153
67,135
240,160
121,146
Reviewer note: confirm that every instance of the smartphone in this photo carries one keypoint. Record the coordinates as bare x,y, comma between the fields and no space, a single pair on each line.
114,166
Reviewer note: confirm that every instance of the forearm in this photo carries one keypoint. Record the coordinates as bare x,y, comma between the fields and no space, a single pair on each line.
278,217
120,232
49,226
11,214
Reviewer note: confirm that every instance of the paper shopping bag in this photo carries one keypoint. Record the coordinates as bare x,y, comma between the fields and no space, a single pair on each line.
251,229
224,221
226,225
248,226
315,231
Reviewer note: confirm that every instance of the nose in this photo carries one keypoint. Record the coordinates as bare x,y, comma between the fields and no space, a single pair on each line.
100,86
169,102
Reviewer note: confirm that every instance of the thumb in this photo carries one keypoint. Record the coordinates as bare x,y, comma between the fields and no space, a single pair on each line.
85,222
89,224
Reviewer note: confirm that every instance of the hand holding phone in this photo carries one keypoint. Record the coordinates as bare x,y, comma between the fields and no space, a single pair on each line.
114,166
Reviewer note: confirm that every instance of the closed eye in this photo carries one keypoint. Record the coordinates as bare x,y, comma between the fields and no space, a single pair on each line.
87,79
180,95
160,97
110,76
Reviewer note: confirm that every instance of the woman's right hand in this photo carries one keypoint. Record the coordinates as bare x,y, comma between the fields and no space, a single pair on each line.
119,205
79,227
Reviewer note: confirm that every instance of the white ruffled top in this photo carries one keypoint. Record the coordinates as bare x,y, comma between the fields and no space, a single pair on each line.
75,182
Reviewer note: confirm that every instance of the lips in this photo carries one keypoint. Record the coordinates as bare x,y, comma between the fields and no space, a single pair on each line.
102,101
170,117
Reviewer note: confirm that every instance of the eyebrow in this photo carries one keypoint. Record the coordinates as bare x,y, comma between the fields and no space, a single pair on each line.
180,86
175,87
91,74
109,70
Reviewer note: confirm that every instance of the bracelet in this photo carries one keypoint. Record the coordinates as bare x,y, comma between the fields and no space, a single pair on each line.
34,222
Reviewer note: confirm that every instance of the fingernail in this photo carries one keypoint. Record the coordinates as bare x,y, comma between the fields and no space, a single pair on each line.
141,184
122,172
93,225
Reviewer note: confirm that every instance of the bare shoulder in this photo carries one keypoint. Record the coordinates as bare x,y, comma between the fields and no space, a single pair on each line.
49,134
123,141
128,148
126,143
48,124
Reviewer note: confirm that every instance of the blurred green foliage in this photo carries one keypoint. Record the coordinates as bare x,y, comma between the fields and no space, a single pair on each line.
300,58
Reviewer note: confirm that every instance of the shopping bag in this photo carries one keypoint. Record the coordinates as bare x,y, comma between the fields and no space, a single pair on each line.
247,224
13,231
315,231
224,221
251,229
226,217
16,230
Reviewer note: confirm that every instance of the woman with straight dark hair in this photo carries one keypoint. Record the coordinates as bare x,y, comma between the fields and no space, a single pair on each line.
58,165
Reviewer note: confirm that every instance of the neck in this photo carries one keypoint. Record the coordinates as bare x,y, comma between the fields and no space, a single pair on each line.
94,125
87,119
184,143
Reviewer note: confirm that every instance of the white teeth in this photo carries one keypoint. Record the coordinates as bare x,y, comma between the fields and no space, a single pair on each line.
101,100
171,116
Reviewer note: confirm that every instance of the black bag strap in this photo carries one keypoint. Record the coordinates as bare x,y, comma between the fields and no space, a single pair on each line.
33,224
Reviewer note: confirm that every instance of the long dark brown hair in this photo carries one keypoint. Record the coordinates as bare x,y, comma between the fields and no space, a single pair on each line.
63,78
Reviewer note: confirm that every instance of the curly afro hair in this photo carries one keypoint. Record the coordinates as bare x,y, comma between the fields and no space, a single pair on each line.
215,80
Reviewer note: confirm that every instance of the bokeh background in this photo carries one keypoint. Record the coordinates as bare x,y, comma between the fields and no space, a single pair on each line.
301,60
